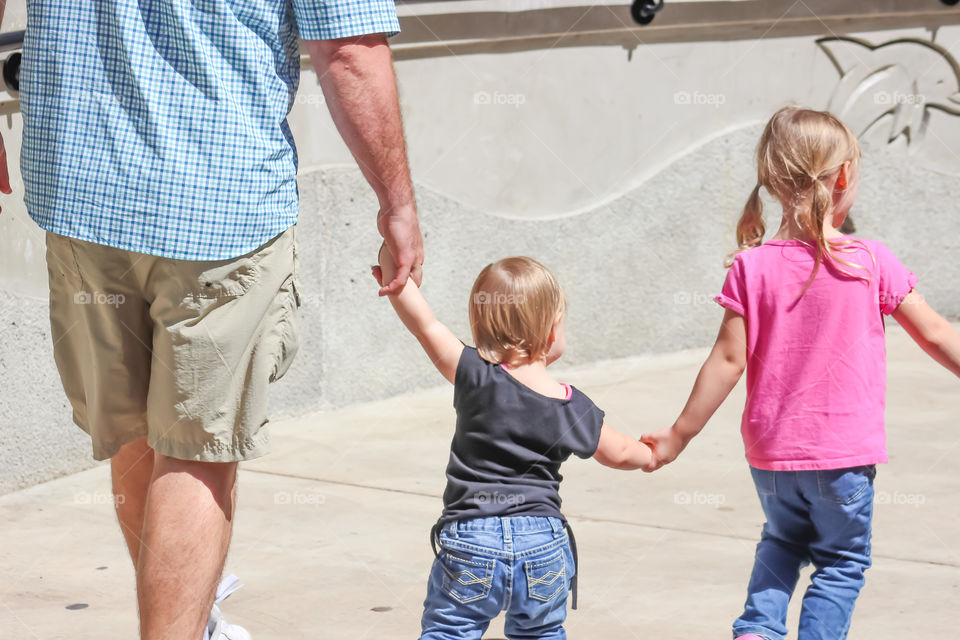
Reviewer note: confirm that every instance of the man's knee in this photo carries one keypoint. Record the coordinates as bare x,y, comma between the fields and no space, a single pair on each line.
218,477
133,461
133,449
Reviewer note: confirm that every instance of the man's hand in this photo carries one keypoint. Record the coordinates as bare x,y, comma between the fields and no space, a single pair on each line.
404,245
4,174
666,446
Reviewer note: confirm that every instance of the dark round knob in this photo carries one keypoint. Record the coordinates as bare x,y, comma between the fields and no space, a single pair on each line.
643,11
11,71
950,2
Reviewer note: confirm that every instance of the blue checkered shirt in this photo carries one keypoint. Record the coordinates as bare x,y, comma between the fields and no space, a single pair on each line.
161,126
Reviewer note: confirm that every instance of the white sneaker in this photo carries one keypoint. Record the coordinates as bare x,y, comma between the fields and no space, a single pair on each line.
217,627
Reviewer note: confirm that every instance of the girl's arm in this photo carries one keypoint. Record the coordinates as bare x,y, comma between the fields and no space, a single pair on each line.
622,452
442,347
930,330
718,376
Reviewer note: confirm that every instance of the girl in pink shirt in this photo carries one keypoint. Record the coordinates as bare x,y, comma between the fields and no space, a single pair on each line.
804,317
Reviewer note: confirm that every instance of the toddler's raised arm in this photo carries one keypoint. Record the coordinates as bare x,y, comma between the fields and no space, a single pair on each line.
442,347
930,330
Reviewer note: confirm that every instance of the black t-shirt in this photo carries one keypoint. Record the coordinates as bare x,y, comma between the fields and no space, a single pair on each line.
510,441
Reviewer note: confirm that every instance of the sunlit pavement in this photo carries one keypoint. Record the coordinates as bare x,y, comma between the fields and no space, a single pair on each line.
331,536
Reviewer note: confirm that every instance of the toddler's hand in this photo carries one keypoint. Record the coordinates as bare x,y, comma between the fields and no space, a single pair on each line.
652,464
385,271
666,446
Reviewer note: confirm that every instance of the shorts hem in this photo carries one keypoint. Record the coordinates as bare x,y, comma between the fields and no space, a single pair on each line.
242,451
101,451
106,452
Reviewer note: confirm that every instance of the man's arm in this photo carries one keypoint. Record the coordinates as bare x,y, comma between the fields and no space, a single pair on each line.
356,75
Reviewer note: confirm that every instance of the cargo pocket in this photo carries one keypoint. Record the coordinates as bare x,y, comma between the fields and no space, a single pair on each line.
224,279
467,579
288,328
546,577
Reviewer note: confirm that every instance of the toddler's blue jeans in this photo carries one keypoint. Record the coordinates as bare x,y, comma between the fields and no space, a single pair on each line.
522,565
823,517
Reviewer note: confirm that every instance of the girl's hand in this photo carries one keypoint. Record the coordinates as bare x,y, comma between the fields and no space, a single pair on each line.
666,446
652,463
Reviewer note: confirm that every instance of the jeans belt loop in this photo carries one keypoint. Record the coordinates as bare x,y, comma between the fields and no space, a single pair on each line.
557,527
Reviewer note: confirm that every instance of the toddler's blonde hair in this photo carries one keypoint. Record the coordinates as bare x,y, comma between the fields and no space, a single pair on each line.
798,151
513,307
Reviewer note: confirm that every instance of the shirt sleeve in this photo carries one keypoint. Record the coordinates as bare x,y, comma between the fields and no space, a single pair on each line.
471,371
733,296
895,281
583,437
330,19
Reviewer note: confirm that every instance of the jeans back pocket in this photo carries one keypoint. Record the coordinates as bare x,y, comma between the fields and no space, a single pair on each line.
467,579
546,577
844,486
765,481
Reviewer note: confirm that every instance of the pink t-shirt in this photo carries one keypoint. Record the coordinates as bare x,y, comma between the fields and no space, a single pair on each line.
816,364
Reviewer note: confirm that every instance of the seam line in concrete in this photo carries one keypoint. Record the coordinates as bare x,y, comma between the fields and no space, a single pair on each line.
424,494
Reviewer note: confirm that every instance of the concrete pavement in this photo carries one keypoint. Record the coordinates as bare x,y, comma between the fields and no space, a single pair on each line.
331,533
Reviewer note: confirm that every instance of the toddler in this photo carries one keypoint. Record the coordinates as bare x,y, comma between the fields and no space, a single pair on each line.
502,543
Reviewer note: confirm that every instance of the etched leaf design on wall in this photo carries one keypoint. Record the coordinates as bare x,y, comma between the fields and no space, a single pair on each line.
895,84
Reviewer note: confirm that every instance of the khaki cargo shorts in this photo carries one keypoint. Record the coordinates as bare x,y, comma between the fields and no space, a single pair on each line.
179,351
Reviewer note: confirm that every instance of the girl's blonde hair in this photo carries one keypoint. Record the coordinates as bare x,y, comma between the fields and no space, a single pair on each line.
513,307
798,151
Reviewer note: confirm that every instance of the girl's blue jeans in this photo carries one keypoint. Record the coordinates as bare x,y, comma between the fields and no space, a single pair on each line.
819,517
521,565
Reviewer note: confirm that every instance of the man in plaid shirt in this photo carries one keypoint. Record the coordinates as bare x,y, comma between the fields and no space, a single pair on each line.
157,156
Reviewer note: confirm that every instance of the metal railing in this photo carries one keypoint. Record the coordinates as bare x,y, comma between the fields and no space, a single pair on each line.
11,40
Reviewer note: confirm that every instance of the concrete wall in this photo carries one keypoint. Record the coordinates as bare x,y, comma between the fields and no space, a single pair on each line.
620,158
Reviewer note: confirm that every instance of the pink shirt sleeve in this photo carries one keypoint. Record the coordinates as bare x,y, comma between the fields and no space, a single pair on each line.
895,280
733,296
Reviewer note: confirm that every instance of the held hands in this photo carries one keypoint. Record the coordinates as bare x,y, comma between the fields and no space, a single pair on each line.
652,463
386,270
401,255
383,270
666,446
